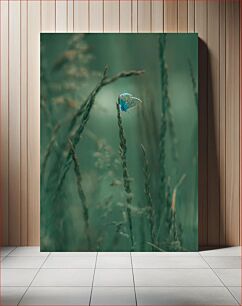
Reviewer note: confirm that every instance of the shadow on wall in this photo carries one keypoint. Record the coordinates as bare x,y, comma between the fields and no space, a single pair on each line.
209,224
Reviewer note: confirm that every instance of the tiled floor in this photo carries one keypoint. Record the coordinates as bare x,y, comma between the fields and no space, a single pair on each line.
29,277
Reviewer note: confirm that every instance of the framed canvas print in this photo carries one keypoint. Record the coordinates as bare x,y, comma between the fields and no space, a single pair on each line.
119,142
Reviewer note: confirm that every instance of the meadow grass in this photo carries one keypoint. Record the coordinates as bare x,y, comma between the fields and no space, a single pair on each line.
147,191
126,179
81,194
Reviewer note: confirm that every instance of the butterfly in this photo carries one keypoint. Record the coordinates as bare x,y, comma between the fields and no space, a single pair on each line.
126,101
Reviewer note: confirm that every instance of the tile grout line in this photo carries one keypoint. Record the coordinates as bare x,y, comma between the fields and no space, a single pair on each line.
135,295
90,299
4,257
34,278
14,248
233,295
12,251
220,280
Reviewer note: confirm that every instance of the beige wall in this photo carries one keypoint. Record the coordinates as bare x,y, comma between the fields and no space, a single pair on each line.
217,23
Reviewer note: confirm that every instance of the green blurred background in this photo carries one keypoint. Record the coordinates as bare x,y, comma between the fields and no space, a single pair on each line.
163,179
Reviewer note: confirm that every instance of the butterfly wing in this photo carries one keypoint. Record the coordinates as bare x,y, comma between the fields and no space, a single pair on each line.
133,102
123,101
128,100
126,97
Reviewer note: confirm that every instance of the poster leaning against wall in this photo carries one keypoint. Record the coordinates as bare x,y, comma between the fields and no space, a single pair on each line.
119,142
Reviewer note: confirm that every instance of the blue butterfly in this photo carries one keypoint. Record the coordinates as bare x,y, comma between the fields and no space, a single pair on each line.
126,101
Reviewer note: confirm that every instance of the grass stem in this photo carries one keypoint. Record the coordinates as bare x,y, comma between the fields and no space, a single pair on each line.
81,194
147,190
126,179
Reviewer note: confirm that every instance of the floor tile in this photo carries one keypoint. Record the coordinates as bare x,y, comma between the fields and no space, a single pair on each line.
12,295
175,277
113,277
64,277
73,254
57,296
231,251
231,262
230,277
236,292
4,251
164,254
113,296
70,262
184,296
114,262
169,262
17,277
114,254
23,262
28,251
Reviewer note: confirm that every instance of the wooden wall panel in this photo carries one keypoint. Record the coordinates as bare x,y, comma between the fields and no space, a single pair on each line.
24,123
217,23
48,15
191,16
183,15
222,126
125,16
14,121
81,16
157,14
144,16
213,122
232,122
96,16
70,15
170,16
111,16
240,128
134,16
201,28
34,22
4,120
61,16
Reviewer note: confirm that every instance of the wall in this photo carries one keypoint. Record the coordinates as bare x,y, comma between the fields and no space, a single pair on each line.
217,23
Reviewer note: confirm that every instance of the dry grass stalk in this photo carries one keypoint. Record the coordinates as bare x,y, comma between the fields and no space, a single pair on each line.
173,201
49,150
155,247
126,179
81,194
194,84
163,124
147,190
172,130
